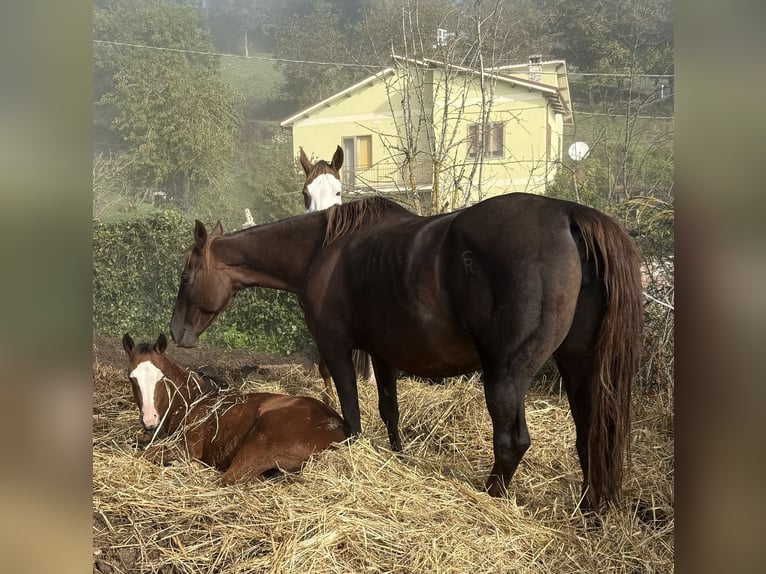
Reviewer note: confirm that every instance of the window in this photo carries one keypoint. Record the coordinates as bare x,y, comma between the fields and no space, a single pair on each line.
493,139
357,152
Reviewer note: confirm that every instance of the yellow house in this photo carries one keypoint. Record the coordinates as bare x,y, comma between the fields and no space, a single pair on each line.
441,136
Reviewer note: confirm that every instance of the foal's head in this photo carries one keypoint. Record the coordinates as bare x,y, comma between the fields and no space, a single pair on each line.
204,291
322,187
145,370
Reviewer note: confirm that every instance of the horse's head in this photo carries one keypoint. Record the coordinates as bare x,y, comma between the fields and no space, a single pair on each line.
204,290
322,187
146,377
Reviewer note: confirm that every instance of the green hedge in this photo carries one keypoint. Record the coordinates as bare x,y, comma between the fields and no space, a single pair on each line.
135,281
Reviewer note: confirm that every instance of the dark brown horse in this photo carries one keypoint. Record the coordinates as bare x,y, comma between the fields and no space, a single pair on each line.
244,435
322,189
501,286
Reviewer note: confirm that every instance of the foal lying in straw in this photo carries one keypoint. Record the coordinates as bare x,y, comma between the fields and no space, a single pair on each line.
243,435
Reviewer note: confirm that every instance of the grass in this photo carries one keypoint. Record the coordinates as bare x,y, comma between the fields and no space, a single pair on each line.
254,79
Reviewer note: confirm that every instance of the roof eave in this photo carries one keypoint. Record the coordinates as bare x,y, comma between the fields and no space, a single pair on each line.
327,101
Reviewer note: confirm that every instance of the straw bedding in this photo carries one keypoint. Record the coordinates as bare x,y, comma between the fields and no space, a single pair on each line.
363,509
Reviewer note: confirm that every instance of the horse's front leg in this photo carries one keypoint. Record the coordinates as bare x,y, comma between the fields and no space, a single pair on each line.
162,454
341,368
388,403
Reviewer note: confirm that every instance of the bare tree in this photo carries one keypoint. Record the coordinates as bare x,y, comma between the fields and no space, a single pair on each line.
428,96
110,184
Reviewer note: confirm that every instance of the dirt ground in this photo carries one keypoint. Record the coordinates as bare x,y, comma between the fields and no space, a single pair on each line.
231,365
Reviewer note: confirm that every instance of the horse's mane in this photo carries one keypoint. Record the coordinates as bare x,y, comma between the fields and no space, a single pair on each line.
189,251
349,217
320,167
144,348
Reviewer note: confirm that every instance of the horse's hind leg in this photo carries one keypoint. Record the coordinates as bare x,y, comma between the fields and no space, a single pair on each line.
261,452
576,374
574,359
504,389
512,348
241,471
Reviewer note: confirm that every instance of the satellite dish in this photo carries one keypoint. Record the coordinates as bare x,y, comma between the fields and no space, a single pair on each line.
578,151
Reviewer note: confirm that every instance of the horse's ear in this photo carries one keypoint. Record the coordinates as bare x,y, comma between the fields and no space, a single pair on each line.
337,158
200,234
127,343
162,343
304,161
217,230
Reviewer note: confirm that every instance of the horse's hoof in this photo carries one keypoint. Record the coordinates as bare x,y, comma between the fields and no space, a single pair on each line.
650,515
495,487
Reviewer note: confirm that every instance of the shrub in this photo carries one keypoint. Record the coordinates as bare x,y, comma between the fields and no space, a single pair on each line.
135,281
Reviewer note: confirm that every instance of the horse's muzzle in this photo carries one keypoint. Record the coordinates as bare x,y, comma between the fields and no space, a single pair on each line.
149,426
188,340
183,336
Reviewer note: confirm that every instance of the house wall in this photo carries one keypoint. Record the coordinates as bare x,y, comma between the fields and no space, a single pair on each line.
364,112
533,136
556,123
360,113
524,164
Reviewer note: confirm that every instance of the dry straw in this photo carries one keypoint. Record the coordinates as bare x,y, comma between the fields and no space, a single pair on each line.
364,509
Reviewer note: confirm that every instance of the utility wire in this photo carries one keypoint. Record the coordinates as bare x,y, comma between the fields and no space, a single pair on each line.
264,58
345,64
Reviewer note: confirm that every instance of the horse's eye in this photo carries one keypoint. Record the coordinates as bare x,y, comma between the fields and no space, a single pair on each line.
337,194
185,278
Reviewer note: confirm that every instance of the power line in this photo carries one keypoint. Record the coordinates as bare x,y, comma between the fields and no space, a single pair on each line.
345,64
264,58
616,114
621,75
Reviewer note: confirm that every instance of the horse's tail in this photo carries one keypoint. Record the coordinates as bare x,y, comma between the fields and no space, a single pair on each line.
618,350
362,365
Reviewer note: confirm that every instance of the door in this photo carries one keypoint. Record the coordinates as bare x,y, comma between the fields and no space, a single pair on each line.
349,161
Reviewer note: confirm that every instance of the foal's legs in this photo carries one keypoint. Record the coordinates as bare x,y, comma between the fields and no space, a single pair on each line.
388,404
263,450
329,395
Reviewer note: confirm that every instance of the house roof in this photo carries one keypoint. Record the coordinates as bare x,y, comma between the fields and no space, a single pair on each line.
327,101
562,80
558,96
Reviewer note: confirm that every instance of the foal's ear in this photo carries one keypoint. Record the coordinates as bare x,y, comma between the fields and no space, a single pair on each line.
217,230
127,343
337,158
200,234
162,343
304,161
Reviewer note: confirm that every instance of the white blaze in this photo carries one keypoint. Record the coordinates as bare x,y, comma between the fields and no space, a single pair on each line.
147,376
324,192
